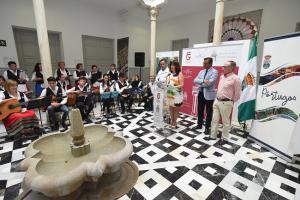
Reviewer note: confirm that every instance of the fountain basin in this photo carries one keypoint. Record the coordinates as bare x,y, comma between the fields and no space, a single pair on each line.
54,171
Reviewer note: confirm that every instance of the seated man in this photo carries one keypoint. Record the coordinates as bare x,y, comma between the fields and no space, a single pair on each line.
59,100
84,98
13,73
123,88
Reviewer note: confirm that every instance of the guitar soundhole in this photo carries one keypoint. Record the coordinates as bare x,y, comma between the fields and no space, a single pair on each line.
11,106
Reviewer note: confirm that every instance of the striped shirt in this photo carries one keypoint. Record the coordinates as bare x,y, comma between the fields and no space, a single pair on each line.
229,87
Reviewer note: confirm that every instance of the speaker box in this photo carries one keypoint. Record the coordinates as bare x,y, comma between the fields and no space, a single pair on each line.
139,59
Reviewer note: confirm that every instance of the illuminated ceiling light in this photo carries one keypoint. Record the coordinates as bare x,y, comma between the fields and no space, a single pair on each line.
153,3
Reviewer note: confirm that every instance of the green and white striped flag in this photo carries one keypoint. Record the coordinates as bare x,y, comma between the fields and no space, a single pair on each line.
246,108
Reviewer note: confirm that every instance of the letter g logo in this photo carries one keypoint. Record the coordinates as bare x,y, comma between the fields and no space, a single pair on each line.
188,55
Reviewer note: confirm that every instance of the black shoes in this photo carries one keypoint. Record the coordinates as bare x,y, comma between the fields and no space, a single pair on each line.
207,131
209,138
55,127
223,142
65,127
198,127
38,131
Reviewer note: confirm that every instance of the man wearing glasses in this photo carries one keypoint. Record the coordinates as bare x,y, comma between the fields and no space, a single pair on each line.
229,91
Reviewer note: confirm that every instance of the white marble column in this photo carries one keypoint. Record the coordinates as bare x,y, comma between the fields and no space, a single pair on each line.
153,16
218,28
42,33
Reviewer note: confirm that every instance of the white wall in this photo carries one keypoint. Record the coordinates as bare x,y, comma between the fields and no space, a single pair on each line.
279,17
71,18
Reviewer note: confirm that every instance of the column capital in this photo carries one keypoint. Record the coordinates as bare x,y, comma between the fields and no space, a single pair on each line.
220,1
153,13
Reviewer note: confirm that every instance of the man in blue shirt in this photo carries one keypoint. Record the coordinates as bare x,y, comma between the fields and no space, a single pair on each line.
206,81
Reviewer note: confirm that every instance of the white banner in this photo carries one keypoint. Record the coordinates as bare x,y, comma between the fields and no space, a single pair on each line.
278,96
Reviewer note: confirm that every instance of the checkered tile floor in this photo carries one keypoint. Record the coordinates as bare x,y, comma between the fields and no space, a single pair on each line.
180,164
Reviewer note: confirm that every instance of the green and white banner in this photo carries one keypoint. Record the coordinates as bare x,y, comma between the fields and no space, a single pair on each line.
246,107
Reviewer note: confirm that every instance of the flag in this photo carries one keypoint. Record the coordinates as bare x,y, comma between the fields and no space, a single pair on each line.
246,107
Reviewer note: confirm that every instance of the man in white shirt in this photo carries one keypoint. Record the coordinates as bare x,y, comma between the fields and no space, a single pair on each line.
164,71
161,84
58,104
13,73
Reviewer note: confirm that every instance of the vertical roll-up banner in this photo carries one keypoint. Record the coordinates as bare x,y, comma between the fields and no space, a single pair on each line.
159,100
277,123
192,63
158,106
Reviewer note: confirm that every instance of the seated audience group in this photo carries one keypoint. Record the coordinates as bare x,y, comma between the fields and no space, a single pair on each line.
110,87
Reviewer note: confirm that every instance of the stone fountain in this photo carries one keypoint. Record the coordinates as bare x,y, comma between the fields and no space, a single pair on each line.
85,158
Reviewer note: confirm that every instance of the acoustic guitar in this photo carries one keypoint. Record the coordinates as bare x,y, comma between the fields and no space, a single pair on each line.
9,106
72,97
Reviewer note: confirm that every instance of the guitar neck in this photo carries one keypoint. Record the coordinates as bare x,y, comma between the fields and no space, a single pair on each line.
17,105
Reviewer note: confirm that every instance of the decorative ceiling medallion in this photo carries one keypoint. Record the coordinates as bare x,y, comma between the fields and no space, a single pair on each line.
239,28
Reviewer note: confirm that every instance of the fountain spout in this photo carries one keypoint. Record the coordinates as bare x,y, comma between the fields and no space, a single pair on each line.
79,145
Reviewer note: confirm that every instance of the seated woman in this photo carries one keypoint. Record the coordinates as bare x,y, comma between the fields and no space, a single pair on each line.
22,123
137,88
148,95
106,86
136,82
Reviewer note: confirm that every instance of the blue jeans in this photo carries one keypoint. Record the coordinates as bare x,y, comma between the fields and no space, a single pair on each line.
51,112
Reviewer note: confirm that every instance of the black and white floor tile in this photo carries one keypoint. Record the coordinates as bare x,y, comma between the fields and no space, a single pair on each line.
180,164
